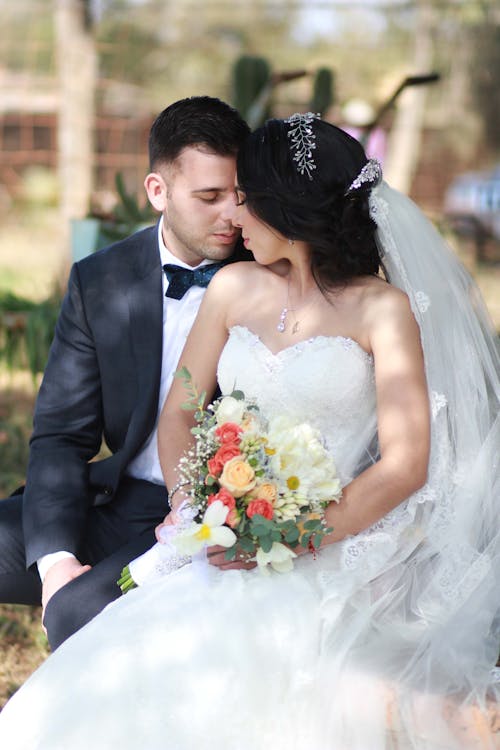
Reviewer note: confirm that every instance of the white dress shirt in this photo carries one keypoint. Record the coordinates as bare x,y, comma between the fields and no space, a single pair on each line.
178,317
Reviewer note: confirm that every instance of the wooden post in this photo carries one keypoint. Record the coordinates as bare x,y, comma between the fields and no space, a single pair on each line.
77,70
403,146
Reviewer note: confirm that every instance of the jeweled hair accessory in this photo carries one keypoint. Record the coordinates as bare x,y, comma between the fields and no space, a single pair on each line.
371,172
302,141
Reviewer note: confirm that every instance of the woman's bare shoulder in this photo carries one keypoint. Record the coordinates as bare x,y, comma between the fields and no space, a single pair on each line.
235,276
377,293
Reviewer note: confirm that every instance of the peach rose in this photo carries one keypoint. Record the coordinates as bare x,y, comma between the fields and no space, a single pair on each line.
228,432
225,497
266,491
262,507
237,476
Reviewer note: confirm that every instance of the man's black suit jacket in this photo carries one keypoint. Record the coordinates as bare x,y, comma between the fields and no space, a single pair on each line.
102,379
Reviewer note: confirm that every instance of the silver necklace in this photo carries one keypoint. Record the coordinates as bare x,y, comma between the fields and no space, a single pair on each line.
281,327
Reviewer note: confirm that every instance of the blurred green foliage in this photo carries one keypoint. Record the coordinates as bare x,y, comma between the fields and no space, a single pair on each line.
16,409
26,330
128,215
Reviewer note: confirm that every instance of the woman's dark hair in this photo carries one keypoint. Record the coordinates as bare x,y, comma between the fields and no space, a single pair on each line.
315,208
196,121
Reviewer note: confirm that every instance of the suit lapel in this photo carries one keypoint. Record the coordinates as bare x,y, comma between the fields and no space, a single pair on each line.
145,299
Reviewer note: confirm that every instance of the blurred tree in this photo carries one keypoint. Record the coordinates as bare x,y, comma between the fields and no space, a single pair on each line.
404,142
77,70
485,77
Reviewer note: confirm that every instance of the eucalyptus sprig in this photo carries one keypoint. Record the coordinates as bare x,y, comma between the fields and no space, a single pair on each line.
195,400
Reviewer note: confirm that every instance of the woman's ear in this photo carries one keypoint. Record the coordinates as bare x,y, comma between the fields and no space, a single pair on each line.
156,190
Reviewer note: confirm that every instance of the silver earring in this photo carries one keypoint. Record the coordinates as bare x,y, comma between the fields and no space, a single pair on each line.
291,242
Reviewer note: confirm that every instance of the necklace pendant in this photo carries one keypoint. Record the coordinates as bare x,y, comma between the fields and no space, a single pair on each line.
281,325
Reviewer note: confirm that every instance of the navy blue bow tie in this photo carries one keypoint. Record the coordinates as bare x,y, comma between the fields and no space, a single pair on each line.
181,279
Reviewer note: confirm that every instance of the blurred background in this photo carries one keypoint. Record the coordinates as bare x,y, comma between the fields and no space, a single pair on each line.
418,81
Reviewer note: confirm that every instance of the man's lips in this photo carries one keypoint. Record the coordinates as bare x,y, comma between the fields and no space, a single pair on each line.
226,237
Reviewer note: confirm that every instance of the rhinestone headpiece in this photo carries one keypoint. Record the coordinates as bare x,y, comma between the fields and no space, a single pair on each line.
302,141
371,172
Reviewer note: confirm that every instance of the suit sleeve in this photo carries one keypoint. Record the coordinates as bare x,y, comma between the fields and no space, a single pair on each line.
67,434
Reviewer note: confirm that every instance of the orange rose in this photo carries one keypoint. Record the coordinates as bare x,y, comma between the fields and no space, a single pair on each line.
228,432
226,452
233,518
214,467
262,507
225,497
237,476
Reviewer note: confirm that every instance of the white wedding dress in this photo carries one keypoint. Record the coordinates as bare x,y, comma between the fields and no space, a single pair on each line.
318,658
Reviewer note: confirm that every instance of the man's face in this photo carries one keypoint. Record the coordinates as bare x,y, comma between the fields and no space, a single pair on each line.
197,197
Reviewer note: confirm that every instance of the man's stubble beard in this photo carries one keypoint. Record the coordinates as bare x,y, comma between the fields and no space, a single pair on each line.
196,248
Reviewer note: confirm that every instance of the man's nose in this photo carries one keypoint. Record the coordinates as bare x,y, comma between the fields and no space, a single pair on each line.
230,209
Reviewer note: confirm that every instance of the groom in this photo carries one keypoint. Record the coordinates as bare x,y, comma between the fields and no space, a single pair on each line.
121,330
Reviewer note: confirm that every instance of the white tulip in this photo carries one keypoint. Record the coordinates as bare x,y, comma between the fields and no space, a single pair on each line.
209,532
279,557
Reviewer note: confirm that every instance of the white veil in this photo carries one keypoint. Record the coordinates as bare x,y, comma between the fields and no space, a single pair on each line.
451,606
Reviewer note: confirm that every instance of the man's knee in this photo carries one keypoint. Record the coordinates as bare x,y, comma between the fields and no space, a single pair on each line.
17,585
75,604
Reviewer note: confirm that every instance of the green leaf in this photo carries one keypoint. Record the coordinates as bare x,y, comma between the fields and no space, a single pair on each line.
266,543
258,520
246,544
183,374
230,553
316,541
292,535
312,524
238,395
304,539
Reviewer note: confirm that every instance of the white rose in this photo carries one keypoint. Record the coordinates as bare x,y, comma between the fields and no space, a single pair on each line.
230,409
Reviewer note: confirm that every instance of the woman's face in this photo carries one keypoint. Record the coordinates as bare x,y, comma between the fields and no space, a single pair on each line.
265,242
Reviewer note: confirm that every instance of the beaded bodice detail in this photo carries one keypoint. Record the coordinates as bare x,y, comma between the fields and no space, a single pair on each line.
326,381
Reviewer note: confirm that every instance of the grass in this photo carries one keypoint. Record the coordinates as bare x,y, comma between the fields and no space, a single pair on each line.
23,645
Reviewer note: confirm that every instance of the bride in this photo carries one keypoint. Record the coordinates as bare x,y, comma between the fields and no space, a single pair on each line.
387,638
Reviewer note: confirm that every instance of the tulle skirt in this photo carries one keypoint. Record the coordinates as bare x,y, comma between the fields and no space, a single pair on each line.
237,660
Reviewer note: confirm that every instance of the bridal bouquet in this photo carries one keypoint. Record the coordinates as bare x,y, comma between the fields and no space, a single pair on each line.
257,487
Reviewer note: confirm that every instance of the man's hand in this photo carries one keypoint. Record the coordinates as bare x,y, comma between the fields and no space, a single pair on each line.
58,575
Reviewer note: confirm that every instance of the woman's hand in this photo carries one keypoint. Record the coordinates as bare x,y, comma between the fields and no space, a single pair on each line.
172,517
169,520
215,556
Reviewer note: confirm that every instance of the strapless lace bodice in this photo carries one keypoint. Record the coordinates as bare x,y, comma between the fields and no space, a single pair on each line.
326,381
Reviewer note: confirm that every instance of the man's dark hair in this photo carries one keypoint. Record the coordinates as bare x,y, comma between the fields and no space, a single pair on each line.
196,121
